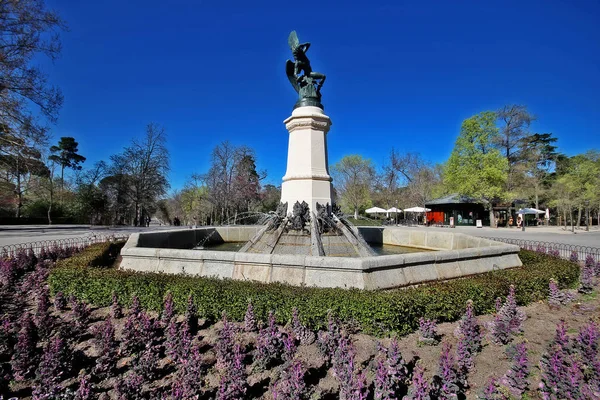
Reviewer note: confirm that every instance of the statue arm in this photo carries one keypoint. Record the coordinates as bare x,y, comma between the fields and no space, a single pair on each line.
305,46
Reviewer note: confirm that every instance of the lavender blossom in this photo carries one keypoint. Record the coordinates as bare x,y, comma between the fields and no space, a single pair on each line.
269,344
508,320
168,309
42,317
129,387
116,311
327,342
80,313
189,375
138,331
574,257
554,253
60,302
447,379
556,297
224,344
250,319
233,385
352,380
136,307
290,385
84,391
491,391
391,373
304,335
586,279
419,388
470,330
106,344
55,363
25,358
191,315
515,379
428,331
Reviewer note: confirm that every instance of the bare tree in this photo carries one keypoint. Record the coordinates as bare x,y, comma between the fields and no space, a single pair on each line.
514,122
354,177
27,30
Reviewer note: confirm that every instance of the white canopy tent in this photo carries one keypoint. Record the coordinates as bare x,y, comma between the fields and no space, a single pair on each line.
416,209
375,210
532,211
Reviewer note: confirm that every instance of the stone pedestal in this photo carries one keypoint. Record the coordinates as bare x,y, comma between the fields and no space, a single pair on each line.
307,175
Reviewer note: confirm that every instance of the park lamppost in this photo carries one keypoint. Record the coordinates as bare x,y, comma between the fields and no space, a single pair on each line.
587,216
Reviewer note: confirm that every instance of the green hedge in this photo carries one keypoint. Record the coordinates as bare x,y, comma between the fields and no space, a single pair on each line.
376,312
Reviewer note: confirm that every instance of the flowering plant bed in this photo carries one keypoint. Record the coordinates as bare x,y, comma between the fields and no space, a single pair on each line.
63,347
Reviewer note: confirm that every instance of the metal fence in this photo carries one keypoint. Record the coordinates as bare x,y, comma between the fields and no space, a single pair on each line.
12,249
561,249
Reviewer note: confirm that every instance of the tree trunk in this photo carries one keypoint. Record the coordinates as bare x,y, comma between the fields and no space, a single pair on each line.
136,217
356,213
51,200
537,200
492,218
579,217
572,225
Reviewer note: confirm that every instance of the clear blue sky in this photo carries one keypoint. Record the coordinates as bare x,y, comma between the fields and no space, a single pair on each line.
399,73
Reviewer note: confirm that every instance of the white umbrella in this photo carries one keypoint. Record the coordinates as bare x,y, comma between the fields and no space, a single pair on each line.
416,209
394,210
375,210
533,211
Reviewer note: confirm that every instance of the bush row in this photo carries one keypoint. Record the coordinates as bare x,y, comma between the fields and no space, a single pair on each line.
375,312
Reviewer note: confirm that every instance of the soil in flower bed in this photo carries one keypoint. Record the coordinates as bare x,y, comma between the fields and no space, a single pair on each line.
539,329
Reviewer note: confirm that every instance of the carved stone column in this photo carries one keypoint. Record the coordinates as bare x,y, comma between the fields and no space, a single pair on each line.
307,175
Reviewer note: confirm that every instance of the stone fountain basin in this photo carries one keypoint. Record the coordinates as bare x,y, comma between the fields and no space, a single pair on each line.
457,255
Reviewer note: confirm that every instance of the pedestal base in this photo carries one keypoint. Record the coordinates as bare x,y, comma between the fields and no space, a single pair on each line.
307,175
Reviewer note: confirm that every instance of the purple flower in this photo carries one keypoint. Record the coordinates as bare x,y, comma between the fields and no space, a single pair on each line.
104,338
250,319
470,329
25,358
447,379
233,385
304,335
269,344
129,387
290,385
515,379
116,311
419,388
574,257
168,310
556,297
428,331
391,372
60,302
84,391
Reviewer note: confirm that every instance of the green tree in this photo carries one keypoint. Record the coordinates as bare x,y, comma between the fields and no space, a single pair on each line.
353,176
539,157
66,155
476,168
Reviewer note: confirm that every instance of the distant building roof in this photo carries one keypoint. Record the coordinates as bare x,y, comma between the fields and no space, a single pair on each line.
454,198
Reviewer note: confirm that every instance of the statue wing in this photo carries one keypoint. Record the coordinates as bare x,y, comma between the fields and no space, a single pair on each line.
289,71
293,41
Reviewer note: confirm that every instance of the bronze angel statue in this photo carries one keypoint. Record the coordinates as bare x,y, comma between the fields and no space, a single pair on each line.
305,81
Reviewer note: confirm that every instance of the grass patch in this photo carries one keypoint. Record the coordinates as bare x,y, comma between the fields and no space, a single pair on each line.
375,312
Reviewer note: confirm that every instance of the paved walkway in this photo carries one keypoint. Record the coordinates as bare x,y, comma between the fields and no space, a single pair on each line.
540,233
15,234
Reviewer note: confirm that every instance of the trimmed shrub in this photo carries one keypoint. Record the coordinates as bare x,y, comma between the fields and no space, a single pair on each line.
375,312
